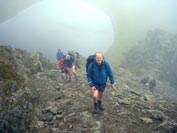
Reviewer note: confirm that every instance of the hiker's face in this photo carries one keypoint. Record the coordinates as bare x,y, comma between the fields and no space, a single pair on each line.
99,58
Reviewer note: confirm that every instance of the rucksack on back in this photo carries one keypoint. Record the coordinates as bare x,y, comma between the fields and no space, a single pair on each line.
89,60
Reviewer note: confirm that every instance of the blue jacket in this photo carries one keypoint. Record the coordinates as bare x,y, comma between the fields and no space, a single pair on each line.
97,74
68,63
60,55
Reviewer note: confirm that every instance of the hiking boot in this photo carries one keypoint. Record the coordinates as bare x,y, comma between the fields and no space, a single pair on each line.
100,107
95,109
69,80
76,79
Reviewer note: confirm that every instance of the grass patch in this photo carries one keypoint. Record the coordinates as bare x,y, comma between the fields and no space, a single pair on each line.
8,69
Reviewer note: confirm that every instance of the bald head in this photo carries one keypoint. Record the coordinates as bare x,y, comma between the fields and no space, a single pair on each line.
99,57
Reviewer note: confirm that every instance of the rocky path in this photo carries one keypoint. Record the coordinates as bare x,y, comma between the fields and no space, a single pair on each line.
67,106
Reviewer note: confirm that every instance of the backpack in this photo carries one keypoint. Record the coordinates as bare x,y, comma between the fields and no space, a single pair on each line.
89,60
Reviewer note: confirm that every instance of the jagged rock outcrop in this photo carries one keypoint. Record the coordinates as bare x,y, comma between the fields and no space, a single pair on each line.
156,58
17,100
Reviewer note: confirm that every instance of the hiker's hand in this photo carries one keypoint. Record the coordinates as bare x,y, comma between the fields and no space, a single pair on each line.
112,86
93,89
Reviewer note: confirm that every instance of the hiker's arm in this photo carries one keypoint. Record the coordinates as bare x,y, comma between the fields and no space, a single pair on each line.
89,76
110,74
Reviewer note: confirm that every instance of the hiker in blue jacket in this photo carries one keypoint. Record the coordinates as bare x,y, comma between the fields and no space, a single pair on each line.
97,74
70,67
60,57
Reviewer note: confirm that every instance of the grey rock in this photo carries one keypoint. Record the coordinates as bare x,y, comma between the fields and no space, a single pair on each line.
40,124
48,117
54,110
157,115
47,109
124,101
146,120
60,117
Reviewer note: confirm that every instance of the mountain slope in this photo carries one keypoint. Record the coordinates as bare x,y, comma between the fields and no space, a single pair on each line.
155,57
62,106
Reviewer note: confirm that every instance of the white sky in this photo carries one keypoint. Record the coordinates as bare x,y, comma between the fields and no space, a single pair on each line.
52,24
80,26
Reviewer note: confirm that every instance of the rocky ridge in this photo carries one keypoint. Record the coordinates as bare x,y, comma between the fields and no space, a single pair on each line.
52,104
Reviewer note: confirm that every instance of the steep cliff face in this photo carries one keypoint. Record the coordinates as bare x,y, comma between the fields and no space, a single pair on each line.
44,102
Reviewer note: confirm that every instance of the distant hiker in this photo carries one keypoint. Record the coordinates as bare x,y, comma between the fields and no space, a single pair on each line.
76,57
144,80
69,65
64,70
97,74
148,82
152,85
71,53
60,63
60,57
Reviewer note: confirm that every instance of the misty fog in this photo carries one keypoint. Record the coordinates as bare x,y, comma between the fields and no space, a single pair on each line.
86,26
49,25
